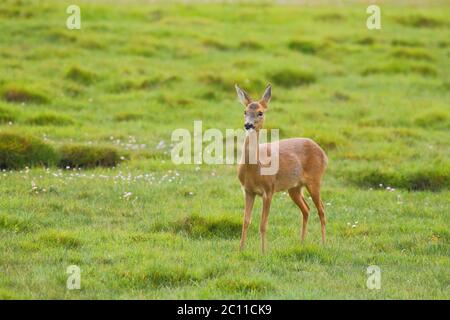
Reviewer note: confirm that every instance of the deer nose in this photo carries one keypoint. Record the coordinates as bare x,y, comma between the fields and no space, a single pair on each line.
249,126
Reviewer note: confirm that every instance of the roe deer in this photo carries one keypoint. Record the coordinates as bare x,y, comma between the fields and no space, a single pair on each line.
302,164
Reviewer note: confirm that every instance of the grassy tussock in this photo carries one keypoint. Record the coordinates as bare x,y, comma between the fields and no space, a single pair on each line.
244,285
49,119
341,96
250,45
420,21
414,179
406,43
169,100
60,238
304,46
80,156
128,116
215,44
81,75
308,253
365,41
196,226
327,140
18,151
209,95
330,17
156,276
433,119
216,80
156,15
412,53
395,67
159,81
139,49
92,43
289,78
443,44
146,84
226,82
19,94
359,232
10,295
15,12
441,233
14,224
73,89
6,115
62,36
174,276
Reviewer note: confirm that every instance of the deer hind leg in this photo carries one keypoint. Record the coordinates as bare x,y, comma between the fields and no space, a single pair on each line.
267,199
314,191
249,201
297,196
304,201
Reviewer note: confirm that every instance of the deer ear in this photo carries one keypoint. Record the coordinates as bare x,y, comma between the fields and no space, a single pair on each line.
243,96
266,96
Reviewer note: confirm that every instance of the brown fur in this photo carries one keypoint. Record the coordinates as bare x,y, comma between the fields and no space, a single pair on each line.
302,164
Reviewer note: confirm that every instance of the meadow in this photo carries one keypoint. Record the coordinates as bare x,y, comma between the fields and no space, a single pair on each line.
86,176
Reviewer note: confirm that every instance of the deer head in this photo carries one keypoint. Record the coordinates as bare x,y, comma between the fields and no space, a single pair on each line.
254,110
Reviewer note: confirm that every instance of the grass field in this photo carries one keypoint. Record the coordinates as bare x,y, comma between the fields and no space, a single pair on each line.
140,227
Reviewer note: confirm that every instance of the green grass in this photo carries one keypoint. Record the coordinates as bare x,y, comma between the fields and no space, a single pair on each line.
6,115
80,156
90,112
18,94
80,75
49,119
19,151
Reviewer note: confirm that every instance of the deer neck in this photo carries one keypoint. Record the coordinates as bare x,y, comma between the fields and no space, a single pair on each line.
251,152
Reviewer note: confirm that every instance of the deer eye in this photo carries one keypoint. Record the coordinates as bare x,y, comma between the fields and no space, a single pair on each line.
245,113
260,114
